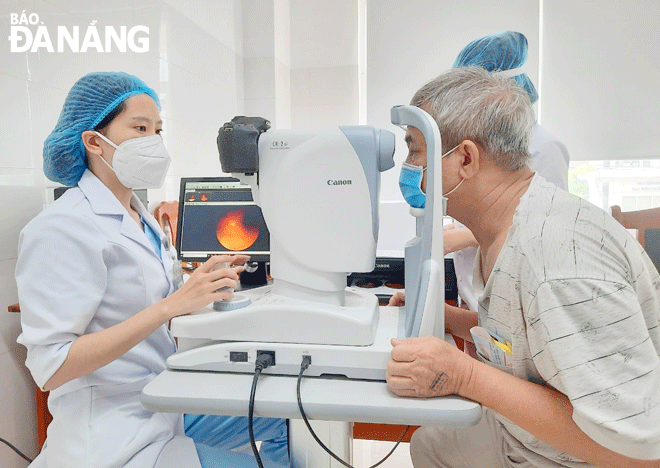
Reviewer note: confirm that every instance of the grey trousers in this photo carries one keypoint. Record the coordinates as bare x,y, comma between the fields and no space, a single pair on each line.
479,446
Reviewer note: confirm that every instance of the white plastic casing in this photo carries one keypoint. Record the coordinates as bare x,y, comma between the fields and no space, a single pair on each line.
315,198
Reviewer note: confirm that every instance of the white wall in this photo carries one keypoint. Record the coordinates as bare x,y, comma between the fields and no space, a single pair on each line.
324,63
267,61
601,70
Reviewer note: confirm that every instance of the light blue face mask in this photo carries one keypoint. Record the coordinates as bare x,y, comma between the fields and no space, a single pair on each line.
410,183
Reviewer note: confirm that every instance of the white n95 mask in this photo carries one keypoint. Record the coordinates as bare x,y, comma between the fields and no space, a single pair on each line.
140,163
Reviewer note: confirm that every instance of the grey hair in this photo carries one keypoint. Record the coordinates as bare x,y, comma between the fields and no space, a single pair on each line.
469,103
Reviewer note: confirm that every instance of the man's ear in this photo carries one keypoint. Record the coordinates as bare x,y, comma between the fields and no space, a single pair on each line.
91,141
471,154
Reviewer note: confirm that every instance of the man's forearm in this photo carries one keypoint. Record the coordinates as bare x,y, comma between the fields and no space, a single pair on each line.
543,412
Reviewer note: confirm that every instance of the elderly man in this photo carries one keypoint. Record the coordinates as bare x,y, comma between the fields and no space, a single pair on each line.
559,279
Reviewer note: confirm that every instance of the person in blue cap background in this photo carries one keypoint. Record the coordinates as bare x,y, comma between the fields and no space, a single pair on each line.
504,53
98,283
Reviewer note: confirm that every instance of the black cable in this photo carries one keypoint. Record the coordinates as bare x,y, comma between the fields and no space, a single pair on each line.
21,454
255,450
263,361
307,360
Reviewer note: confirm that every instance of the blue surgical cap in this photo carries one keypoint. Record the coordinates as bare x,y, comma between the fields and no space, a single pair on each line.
500,51
90,100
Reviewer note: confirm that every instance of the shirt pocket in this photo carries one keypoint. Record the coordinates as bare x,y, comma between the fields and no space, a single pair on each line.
507,369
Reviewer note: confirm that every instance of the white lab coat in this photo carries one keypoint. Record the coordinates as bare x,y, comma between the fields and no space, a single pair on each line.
84,265
550,159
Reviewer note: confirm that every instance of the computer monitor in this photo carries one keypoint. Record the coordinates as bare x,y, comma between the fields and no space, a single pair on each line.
217,215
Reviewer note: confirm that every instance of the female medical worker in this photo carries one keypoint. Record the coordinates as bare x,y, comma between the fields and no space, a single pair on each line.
98,283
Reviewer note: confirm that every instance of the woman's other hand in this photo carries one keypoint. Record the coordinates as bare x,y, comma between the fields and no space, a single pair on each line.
457,238
398,299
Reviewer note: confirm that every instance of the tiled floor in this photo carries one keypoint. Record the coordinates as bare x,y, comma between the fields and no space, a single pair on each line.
368,452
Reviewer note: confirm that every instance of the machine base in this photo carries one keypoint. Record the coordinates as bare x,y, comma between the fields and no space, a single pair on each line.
273,318
338,361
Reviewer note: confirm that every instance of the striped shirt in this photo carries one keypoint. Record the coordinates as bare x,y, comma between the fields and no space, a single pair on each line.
579,299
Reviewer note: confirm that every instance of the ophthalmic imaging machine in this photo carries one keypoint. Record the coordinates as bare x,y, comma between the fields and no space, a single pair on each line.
319,195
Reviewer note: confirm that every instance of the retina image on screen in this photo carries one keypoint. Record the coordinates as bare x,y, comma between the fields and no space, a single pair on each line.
219,216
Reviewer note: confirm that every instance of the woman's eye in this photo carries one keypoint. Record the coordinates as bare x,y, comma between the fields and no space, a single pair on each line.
141,128
159,131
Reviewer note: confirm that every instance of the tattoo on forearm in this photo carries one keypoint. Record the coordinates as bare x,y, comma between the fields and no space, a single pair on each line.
439,381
